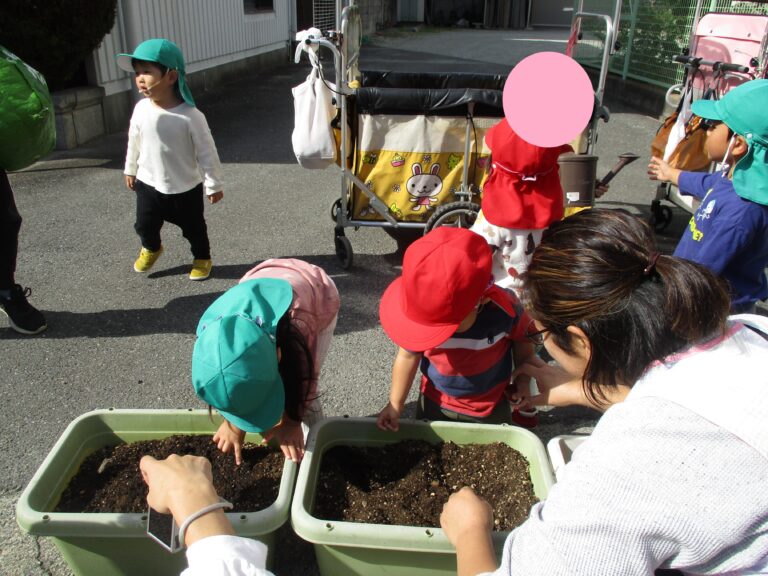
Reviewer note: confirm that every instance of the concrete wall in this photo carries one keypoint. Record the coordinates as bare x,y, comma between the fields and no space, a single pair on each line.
377,14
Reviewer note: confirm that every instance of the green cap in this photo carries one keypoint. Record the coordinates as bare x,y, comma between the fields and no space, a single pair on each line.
234,361
742,109
163,52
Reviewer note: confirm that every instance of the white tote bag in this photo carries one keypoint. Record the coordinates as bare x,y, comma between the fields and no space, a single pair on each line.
312,137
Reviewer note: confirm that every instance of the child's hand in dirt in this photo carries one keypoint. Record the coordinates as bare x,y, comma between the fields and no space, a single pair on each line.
216,196
130,181
230,437
465,513
290,437
389,418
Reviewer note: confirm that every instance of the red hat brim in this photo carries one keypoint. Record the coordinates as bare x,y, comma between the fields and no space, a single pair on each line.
403,331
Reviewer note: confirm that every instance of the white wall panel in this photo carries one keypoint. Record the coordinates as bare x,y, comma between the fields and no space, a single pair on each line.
209,32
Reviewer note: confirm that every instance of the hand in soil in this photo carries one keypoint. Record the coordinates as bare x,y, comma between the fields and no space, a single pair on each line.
172,480
183,485
230,438
467,521
464,513
290,437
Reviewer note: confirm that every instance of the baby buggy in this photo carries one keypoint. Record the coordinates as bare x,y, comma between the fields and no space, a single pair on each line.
412,144
725,50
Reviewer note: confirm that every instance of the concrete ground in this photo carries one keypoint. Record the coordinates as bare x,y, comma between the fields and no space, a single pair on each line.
120,339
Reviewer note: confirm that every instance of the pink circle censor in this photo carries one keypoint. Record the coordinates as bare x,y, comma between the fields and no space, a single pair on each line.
548,99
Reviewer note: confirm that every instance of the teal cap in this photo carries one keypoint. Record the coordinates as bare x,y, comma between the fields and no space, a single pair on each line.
234,361
163,52
742,109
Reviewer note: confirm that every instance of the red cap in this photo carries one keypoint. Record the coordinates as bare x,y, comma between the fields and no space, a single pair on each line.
445,274
523,189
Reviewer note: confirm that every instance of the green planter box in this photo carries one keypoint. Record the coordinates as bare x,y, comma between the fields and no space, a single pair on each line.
372,549
116,544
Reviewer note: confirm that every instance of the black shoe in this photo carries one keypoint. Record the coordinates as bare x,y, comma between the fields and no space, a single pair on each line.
23,317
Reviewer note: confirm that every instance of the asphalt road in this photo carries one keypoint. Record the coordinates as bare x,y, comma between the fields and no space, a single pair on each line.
120,339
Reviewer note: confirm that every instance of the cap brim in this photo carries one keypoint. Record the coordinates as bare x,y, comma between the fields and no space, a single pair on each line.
708,109
405,332
124,62
265,418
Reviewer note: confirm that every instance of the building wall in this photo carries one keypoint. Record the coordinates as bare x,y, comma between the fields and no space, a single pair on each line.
209,34
215,37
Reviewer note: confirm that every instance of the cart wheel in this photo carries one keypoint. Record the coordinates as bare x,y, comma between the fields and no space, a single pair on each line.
455,215
344,251
335,207
660,218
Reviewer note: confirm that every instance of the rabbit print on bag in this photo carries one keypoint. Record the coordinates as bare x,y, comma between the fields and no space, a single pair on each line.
424,188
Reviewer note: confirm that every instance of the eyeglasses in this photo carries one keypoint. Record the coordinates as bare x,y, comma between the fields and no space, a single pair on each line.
535,336
710,124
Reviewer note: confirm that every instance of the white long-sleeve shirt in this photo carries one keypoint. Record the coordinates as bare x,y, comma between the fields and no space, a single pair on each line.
667,479
226,556
172,150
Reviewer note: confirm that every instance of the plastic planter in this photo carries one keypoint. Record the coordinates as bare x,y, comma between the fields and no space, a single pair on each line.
561,448
373,549
116,544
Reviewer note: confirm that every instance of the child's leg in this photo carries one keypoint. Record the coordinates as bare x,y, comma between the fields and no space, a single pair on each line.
149,216
314,412
189,214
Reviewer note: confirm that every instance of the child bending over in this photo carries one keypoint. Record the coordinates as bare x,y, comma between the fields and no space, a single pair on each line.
447,316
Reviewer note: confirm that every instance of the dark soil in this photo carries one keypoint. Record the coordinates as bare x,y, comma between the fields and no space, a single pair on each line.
408,483
109,480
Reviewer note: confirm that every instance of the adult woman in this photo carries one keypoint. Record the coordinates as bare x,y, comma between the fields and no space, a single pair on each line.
260,347
675,473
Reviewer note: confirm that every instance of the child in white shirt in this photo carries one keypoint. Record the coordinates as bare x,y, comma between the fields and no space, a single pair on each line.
169,147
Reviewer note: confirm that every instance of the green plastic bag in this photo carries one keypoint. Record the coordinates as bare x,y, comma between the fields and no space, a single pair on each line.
27,118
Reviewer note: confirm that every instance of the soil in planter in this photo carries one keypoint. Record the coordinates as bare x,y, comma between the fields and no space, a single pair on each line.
407,483
109,480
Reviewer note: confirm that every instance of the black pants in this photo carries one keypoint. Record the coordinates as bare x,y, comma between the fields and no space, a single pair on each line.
185,210
10,224
502,413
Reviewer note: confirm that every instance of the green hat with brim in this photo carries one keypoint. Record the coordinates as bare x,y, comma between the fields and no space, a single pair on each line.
742,109
163,52
234,361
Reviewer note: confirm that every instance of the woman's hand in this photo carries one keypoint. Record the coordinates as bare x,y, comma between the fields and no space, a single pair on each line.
130,181
556,386
290,437
230,437
182,485
467,521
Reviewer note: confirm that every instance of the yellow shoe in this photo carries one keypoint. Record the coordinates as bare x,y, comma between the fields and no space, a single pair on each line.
146,259
201,269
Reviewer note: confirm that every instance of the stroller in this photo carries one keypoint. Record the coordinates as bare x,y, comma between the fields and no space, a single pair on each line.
411,146
411,150
725,50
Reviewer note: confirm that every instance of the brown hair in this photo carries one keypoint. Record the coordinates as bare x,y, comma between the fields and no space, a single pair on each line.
600,270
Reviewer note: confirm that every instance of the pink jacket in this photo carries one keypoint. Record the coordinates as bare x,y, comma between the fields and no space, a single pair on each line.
315,299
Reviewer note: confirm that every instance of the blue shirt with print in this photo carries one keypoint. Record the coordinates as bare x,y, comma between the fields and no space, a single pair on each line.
727,234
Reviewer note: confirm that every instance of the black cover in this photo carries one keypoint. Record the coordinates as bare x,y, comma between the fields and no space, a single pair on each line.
437,94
